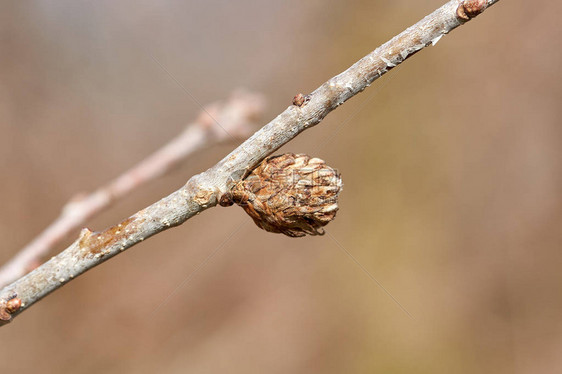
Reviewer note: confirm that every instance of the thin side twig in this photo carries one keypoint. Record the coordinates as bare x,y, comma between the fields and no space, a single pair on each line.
237,117
203,190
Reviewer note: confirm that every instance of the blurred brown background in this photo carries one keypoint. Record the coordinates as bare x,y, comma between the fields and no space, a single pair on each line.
452,168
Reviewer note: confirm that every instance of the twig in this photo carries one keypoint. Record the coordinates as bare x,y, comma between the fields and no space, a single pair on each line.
237,117
203,190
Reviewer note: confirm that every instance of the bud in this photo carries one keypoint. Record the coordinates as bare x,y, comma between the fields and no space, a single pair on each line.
290,194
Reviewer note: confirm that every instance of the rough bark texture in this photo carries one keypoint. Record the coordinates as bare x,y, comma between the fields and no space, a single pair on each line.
237,117
203,190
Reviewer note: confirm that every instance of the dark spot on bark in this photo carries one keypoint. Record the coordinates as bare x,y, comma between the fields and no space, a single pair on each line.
301,100
470,8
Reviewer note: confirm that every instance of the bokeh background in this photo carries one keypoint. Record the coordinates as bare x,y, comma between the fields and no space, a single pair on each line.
452,166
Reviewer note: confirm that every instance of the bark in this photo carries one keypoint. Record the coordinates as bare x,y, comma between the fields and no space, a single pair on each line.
204,190
237,116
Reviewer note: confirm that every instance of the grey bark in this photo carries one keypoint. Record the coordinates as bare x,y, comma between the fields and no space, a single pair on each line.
203,190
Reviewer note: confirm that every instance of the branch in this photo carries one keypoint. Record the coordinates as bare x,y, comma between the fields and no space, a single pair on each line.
203,190
236,117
